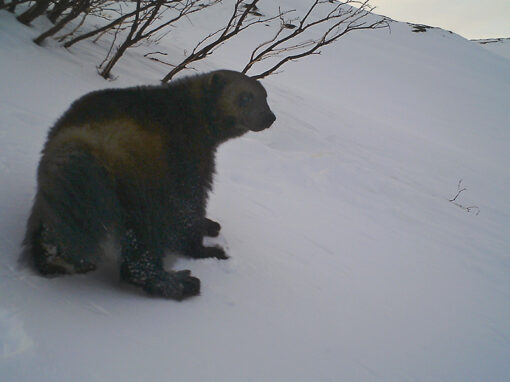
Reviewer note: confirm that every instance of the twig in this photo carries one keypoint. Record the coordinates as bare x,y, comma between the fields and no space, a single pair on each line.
474,209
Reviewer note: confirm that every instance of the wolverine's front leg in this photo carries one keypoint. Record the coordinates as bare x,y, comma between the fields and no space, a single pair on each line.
194,241
140,266
211,228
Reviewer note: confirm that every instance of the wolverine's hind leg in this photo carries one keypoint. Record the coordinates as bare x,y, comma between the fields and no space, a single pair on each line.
74,206
143,266
49,259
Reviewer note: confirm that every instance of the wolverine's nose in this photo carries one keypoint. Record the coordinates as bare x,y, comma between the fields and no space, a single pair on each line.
270,118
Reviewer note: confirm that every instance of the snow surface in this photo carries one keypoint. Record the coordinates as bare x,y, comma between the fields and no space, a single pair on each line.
499,46
348,261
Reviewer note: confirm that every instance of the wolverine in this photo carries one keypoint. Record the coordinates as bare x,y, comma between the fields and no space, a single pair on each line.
137,164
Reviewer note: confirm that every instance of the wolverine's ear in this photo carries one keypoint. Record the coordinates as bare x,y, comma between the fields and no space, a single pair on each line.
216,82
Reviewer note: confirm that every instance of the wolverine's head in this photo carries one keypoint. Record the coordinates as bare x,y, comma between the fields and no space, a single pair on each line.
241,101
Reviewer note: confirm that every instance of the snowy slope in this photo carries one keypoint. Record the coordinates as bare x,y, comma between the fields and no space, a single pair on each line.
499,46
348,262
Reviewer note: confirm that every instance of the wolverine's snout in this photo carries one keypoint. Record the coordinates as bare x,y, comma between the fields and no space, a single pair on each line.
270,119
267,121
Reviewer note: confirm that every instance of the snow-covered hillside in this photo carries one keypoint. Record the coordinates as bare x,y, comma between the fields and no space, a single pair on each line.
499,46
348,261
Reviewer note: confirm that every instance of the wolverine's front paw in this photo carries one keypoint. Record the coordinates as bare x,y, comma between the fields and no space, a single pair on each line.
176,285
201,252
207,252
216,252
212,228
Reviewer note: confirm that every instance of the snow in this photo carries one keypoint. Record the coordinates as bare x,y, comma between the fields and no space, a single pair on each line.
499,46
348,262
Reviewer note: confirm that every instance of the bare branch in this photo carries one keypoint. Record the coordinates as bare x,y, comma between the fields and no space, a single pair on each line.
233,27
157,59
82,21
143,26
339,20
239,21
105,28
77,8
460,190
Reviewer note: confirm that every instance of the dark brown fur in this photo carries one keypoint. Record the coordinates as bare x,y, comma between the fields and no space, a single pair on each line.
138,163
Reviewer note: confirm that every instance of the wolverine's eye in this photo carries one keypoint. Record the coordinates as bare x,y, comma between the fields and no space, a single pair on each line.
245,99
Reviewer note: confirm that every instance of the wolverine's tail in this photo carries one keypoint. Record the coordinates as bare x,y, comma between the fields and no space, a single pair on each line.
74,208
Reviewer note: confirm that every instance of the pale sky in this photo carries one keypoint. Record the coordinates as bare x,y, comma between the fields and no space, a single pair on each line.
470,18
